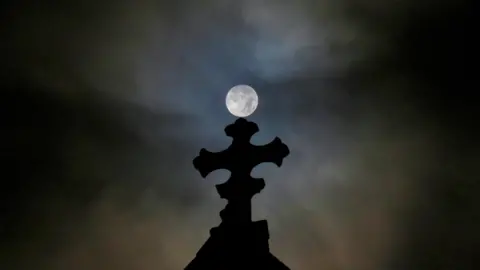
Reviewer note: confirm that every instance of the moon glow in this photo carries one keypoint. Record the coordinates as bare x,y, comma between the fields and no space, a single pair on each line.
242,100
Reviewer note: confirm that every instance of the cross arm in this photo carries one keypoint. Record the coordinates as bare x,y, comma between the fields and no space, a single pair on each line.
207,162
273,152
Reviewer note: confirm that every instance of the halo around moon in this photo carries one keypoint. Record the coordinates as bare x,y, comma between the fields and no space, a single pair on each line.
242,100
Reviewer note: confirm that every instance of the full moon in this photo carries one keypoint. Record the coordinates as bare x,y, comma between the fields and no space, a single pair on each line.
242,100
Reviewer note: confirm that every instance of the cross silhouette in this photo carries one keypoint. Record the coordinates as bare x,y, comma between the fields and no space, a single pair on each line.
240,158
238,243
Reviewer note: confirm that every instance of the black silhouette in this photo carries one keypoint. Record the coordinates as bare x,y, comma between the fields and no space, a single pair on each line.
239,243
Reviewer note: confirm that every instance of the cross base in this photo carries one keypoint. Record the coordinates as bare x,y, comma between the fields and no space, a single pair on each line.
237,247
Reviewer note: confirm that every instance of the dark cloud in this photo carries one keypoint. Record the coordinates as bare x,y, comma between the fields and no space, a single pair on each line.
104,105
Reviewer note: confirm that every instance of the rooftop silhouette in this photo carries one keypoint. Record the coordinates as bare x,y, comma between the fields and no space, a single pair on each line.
238,242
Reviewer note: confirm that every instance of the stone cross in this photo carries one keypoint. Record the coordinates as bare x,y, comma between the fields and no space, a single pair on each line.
240,158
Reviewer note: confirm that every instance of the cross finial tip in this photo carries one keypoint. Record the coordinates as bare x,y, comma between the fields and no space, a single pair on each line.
241,128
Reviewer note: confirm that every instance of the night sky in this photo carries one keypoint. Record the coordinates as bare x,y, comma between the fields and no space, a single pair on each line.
104,104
